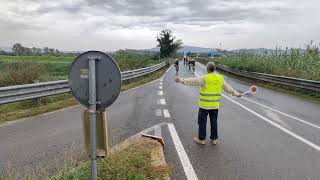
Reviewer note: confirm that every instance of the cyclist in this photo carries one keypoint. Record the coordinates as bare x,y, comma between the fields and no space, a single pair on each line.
187,61
192,65
176,65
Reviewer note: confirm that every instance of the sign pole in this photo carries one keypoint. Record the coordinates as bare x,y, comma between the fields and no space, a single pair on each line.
95,81
92,112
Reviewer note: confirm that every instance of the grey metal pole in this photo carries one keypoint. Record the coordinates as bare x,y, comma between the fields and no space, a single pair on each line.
92,110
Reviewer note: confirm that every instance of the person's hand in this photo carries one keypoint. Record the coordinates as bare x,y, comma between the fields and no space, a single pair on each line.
177,79
239,94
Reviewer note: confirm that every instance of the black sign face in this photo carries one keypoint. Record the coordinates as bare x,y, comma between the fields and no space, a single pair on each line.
108,79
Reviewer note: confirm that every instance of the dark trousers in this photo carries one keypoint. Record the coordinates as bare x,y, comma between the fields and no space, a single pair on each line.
202,122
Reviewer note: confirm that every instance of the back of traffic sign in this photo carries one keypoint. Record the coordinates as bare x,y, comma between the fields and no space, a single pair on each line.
108,79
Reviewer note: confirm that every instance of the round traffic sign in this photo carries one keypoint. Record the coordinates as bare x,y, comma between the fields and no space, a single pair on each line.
108,79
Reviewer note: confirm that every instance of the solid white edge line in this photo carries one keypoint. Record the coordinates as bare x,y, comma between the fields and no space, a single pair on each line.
311,144
300,120
166,113
184,159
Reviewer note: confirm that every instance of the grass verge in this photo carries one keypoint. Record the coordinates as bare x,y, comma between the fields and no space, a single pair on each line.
133,162
29,108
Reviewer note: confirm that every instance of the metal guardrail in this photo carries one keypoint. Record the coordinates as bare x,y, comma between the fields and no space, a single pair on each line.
31,91
288,81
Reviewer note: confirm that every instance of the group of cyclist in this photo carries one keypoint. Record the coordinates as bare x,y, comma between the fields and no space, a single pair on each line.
187,62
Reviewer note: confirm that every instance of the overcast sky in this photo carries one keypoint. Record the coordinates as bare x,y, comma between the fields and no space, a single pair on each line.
115,24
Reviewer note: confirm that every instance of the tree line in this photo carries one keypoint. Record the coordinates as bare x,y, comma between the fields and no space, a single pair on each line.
167,43
20,50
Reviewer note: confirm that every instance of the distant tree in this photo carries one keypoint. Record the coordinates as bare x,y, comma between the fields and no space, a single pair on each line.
2,52
18,49
46,50
38,51
52,51
34,50
27,51
168,43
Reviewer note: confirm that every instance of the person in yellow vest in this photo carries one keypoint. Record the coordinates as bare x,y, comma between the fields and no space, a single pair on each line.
211,86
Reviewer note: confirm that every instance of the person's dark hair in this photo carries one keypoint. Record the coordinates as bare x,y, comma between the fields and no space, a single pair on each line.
210,67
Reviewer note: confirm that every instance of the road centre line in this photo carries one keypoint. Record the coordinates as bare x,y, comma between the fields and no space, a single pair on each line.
162,101
166,113
311,144
300,120
160,87
160,92
184,159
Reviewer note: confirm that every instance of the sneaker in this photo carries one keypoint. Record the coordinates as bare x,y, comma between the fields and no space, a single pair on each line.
215,141
203,142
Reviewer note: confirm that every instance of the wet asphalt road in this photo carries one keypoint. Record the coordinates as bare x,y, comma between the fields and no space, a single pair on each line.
251,147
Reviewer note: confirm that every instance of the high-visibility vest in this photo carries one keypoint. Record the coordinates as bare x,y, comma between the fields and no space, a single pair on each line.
210,95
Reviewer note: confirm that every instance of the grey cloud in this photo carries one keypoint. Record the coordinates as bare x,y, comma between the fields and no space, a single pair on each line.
193,10
64,7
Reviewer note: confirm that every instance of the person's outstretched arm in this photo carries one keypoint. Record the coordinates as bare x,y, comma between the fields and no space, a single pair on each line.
198,81
227,88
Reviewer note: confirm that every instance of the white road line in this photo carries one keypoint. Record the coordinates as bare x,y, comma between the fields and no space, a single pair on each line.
9,123
166,113
160,87
185,161
300,120
160,83
158,112
161,79
157,131
162,101
160,93
311,144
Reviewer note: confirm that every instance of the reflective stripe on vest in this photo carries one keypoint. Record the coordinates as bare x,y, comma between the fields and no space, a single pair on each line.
210,95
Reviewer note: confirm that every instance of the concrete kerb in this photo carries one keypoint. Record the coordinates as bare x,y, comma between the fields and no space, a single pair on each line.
157,153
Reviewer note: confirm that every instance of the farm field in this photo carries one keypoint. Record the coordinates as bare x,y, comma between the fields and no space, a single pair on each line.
15,70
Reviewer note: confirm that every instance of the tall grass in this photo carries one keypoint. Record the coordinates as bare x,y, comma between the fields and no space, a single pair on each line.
297,63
